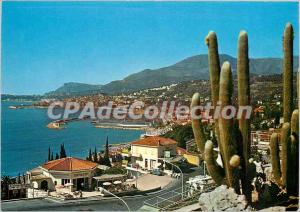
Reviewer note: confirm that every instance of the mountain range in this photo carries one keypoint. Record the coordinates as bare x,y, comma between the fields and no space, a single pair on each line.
191,68
75,88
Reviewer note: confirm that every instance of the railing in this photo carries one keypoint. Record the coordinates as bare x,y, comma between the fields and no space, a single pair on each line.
36,193
166,199
175,198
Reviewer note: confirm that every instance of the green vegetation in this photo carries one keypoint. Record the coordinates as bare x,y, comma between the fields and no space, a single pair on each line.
115,170
5,182
75,88
62,153
181,134
233,137
90,157
285,168
105,161
95,157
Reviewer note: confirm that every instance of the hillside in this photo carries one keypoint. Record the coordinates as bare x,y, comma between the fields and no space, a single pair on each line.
192,68
74,88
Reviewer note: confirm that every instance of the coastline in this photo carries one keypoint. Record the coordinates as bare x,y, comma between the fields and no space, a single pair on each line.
120,127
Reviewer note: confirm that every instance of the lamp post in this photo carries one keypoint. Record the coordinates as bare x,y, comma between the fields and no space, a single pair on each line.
181,175
104,190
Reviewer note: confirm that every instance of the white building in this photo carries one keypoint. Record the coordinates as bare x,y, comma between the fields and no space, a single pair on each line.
145,153
58,173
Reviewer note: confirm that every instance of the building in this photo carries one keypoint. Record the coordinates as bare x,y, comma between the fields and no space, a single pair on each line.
146,152
75,172
191,158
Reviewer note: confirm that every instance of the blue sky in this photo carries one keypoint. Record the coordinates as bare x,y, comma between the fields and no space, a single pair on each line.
45,44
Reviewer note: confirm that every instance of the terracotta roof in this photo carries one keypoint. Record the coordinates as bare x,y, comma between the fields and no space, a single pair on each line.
154,141
69,164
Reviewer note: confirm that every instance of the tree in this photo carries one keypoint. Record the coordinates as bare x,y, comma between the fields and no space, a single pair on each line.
181,134
52,158
5,182
56,156
115,170
106,147
106,160
95,156
49,152
62,151
90,157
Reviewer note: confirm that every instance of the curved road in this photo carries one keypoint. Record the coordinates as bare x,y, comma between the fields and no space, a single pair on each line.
100,204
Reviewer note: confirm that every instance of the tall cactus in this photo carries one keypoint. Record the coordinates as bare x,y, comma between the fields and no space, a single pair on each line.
287,175
288,72
244,100
222,89
286,171
214,74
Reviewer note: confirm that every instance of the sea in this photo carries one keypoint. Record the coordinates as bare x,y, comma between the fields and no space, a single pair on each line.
25,139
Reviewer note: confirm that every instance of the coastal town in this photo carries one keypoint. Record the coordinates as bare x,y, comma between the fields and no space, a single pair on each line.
211,132
166,155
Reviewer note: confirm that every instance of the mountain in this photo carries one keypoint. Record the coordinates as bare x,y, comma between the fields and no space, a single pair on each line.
75,89
191,68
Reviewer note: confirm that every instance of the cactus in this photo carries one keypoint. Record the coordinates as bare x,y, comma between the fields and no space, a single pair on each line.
244,100
288,72
214,67
286,173
228,133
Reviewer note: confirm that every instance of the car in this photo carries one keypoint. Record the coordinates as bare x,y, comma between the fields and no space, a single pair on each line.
157,172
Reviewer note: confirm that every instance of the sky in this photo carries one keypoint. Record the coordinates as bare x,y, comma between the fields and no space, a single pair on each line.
45,44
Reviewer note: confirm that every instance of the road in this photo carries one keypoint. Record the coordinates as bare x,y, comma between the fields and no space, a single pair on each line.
107,204
98,204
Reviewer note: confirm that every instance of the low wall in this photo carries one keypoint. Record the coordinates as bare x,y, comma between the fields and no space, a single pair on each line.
132,193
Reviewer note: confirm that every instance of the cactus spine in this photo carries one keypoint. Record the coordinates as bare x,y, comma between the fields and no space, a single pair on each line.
287,176
222,89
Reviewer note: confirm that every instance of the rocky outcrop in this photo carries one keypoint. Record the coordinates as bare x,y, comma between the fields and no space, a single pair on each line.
222,199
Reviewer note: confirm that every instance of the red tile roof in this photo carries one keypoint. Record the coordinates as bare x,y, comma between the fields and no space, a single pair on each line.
154,141
69,164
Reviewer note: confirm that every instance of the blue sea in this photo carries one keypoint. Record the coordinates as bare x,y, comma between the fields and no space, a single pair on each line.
25,138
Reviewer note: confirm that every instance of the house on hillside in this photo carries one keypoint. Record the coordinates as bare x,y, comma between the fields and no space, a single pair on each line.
146,152
57,173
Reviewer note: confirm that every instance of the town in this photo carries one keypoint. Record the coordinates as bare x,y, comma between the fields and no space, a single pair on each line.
212,132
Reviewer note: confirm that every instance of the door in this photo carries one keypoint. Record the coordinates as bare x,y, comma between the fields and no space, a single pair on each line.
80,184
44,185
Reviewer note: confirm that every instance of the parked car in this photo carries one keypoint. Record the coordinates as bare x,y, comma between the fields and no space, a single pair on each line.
157,172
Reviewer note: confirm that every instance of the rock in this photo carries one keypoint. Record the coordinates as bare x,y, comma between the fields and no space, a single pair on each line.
275,208
222,198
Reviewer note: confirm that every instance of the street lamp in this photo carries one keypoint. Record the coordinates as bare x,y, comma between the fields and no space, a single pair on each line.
181,175
104,190
204,172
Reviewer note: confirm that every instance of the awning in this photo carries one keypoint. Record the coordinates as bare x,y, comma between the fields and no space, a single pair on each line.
39,177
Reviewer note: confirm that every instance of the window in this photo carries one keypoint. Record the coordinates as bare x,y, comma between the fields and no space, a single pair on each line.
55,182
65,181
